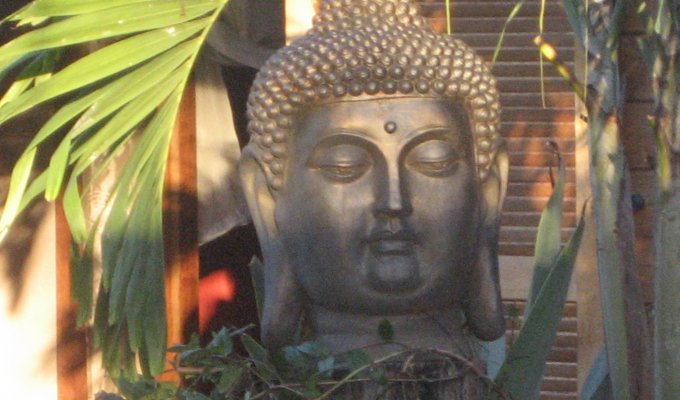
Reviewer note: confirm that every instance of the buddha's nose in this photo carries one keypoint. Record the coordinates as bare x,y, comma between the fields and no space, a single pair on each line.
393,199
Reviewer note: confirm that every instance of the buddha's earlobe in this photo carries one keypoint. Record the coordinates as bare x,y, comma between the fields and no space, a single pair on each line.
282,305
483,308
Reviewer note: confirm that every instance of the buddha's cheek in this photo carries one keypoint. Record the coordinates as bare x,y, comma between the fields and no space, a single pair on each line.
445,220
323,228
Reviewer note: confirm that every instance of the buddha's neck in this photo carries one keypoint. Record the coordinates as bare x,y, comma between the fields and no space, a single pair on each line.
341,331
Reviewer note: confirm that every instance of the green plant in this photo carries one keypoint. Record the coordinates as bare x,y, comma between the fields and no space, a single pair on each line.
127,90
522,372
303,371
627,360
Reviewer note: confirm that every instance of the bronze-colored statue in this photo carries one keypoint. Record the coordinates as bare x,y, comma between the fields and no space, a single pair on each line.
375,176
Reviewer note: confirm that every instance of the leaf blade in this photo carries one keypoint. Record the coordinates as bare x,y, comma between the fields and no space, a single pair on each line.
101,64
62,8
105,24
548,238
523,369
17,188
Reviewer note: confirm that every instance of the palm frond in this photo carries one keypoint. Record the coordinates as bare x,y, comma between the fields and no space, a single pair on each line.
127,91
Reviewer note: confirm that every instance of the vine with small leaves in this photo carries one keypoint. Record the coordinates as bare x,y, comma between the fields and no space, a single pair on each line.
304,371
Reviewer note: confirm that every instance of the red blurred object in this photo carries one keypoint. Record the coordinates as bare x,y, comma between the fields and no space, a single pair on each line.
217,287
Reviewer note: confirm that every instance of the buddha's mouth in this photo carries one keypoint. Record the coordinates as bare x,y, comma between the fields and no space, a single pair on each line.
392,247
394,267
392,243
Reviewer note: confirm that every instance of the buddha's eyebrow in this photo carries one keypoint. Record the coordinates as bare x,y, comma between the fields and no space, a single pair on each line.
437,131
339,132
339,136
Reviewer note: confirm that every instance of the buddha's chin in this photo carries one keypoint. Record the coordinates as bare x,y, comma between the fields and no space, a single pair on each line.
397,273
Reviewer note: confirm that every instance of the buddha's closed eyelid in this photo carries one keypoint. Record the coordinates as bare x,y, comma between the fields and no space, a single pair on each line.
434,158
340,162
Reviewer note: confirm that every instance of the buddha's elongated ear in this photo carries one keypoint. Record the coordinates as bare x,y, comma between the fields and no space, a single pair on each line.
483,307
282,305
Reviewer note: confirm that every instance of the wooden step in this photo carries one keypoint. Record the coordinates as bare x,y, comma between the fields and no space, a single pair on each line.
537,129
532,85
554,100
539,145
539,159
495,24
532,219
538,189
515,39
537,174
501,9
527,114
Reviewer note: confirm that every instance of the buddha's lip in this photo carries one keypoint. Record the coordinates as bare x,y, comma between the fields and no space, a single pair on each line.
404,235
392,243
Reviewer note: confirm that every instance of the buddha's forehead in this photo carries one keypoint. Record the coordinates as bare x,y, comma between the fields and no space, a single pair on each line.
380,117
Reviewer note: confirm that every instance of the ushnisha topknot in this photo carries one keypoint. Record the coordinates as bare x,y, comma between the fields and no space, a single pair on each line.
369,47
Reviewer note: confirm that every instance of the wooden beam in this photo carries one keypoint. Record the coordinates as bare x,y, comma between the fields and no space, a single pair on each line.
72,347
180,223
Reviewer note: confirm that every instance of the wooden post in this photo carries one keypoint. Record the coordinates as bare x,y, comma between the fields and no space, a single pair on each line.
72,347
180,222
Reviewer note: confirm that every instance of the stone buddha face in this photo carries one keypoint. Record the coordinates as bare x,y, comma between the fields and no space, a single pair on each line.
375,176
382,212
379,210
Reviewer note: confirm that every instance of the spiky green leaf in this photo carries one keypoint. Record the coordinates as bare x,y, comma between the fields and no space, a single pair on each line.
521,374
548,239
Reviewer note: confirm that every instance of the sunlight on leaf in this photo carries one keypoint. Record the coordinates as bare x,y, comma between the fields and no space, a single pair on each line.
35,72
104,24
20,178
511,16
102,64
548,242
62,8
541,19
123,96
448,16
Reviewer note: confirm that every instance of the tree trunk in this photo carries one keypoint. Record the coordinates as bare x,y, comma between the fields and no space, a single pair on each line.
667,235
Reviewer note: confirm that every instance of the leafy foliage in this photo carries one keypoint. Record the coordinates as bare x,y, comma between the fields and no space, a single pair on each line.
127,90
304,371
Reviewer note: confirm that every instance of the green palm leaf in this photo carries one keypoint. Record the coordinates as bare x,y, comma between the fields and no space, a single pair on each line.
128,91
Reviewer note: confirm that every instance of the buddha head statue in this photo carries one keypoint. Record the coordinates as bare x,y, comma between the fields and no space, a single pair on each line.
375,174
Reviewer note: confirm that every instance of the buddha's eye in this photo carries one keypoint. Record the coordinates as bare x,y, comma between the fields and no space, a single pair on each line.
341,162
434,158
